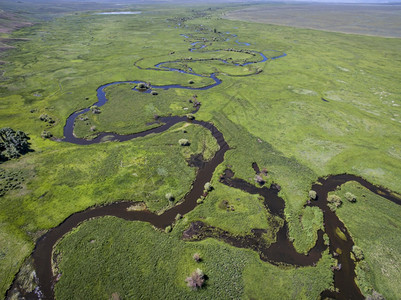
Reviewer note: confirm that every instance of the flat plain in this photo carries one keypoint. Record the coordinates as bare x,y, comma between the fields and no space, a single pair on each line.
367,19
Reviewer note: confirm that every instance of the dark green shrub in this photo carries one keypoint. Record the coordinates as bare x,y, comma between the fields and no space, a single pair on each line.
170,197
358,253
350,197
95,109
184,142
208,187
13,143
224,204
46,134
334,202
312,195
46,118
326,239
142,86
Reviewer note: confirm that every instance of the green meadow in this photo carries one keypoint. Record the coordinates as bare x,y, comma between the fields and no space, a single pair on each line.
332,105
139,262
373,223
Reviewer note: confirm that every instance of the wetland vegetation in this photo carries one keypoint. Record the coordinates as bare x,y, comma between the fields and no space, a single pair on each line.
195,99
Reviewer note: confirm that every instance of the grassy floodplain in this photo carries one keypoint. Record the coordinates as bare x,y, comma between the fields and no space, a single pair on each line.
139,262
277,118
373,223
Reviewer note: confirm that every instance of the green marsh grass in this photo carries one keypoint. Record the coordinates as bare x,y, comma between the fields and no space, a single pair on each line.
67,178
374,225
133,259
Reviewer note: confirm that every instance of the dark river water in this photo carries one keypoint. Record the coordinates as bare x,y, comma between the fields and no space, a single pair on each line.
281,251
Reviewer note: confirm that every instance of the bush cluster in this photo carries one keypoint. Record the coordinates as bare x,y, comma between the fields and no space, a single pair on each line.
184,142
46,134
334,202
358,253
196,280
208,187
95,109
13,143
350,197
46,118
142,86
196,257
170,197
259,179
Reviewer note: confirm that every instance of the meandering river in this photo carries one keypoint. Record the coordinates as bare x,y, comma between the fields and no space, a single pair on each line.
280,252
